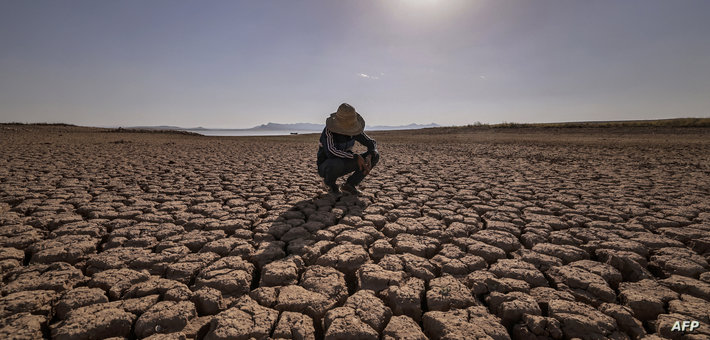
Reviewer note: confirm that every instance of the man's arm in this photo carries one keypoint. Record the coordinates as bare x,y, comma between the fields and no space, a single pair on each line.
368,142
332,150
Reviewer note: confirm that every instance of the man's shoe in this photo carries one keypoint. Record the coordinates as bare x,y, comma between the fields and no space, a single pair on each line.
331,189
350,189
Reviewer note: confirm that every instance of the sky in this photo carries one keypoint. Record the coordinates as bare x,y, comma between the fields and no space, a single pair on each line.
237,64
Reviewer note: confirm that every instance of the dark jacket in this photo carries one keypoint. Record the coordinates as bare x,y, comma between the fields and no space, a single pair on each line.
335,145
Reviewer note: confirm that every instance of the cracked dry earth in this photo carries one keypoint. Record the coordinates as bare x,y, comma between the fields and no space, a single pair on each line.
520,234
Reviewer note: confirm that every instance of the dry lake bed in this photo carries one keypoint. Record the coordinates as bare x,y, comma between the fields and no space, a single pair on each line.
534,233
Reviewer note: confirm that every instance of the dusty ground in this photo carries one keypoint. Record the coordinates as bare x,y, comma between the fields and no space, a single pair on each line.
523,234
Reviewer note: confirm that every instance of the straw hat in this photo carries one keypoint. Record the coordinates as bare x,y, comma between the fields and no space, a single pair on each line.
345,121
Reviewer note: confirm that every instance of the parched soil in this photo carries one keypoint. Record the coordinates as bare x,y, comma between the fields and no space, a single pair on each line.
463,234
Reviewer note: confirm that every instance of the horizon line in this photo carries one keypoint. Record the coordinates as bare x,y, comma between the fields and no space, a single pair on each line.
476,123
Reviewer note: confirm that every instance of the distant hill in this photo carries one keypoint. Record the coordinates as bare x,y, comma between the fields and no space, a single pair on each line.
402,127
668,123
319,127
286,127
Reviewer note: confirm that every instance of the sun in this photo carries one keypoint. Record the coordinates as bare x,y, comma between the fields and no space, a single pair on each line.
426,12
421,2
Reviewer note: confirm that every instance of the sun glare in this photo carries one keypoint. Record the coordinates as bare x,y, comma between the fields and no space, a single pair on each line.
421,2
426,12
415,4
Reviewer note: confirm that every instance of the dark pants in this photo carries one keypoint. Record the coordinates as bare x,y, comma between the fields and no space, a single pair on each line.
333,168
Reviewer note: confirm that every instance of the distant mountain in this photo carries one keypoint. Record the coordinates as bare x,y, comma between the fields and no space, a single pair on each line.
402,127
287,127
319,127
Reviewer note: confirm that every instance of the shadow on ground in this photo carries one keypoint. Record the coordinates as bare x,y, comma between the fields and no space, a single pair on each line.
306,258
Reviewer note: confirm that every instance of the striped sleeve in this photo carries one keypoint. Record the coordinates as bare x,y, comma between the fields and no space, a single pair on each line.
368,142
330,146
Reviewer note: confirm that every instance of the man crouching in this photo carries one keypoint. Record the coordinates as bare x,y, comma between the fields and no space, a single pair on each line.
335,155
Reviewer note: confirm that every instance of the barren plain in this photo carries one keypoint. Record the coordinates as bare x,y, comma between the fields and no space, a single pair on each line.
460,234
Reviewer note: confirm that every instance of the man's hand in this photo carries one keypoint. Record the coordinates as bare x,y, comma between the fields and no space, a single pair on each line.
364,166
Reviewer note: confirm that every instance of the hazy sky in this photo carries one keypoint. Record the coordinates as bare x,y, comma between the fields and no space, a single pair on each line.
244,63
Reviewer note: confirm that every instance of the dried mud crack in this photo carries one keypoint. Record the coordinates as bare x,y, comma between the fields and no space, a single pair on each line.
524,234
